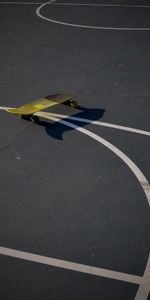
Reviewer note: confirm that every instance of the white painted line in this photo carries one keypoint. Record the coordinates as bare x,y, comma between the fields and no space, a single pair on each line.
144,288
101,5
5,108
76,4
145,281
39,14
132,166
70,265
22,3
110,125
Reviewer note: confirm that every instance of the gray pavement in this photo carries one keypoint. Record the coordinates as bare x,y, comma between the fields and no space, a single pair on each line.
62,194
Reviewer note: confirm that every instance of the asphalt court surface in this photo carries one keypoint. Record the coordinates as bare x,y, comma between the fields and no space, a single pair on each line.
106,16
64,194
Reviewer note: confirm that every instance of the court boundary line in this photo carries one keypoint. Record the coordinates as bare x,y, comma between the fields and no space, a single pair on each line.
132,166
98,4
104,124
52,2
21,3
76,4
143,289
92,122
72,266
39,14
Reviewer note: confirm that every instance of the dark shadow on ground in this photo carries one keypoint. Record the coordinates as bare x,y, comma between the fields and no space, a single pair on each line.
56,129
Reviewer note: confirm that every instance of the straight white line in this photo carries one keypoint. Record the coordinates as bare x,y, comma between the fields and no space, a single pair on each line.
110,125
70,265
5,108
22,3
144,288
101,5
132,166
144,282
76,4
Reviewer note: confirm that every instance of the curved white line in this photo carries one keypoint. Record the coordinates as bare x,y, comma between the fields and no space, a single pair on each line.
38,13
76,4
139,175
110,125
144,288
